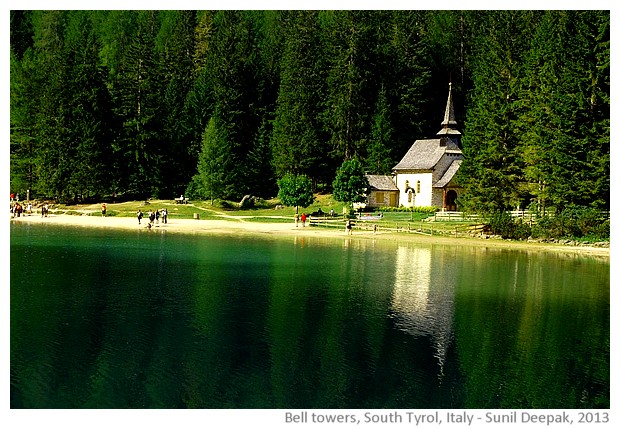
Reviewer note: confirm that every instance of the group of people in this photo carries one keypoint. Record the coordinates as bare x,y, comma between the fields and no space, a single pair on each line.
153,216
304,217
17,209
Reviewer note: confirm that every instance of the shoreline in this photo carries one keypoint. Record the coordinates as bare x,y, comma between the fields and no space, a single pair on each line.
221,227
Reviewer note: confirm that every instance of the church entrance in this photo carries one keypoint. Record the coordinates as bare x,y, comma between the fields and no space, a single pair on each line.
451,201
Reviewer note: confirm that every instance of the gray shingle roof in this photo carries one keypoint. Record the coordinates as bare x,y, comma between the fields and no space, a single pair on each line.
381,183
449,174
424,154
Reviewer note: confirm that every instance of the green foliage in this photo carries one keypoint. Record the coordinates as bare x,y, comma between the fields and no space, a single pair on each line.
574,222
415,209
295,190
120,101
503,224
213,179
351,183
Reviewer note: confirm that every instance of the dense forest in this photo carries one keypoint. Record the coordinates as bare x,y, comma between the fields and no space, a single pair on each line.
220,104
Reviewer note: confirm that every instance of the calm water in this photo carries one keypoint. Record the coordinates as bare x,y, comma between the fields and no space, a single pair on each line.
110,319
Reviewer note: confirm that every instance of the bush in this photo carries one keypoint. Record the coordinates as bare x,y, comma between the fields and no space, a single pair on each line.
504,225
421,209
574,222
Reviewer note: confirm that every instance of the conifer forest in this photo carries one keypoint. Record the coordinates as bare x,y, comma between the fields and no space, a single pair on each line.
222,104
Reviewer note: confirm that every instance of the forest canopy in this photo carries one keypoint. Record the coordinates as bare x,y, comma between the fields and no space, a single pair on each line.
221,104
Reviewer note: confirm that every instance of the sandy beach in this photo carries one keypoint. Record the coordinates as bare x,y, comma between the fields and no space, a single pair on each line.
211,226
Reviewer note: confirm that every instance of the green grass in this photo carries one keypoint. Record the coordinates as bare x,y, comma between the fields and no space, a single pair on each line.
266,211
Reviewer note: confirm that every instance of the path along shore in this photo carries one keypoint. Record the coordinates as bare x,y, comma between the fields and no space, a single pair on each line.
237,227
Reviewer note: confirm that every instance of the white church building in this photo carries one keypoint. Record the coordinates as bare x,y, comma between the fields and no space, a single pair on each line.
424,176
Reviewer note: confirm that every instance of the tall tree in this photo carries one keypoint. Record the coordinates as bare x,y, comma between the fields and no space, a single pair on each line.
136,92
297,143
492,172
174,48
55,151
566,123
215,164
90,113
379,159
350,36
232,75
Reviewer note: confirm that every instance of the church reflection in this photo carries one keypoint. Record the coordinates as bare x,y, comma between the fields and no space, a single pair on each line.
423,296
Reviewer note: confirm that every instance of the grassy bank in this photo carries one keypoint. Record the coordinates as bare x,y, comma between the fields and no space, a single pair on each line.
270,211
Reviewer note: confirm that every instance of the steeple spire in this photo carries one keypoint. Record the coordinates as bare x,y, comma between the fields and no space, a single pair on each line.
449,119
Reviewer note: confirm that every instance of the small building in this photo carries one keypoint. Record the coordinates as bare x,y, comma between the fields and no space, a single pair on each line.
424,176
382,192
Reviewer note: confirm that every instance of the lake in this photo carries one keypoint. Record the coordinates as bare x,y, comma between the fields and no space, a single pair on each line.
149,319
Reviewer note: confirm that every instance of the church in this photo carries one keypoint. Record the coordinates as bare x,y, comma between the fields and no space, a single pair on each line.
424,176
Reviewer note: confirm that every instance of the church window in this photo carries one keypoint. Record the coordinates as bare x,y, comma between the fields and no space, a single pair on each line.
417,187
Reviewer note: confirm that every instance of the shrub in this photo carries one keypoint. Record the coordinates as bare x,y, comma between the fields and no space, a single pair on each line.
421,209
504,225
573,222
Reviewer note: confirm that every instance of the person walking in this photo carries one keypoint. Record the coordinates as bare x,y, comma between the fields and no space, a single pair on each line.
103,209
303,219
139,215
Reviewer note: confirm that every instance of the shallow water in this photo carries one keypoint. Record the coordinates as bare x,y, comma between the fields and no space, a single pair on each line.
148,319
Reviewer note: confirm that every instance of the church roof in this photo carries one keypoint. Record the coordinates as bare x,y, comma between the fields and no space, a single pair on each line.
449,174
425,154
381,183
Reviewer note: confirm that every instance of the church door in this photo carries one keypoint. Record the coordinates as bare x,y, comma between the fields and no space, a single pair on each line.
451,200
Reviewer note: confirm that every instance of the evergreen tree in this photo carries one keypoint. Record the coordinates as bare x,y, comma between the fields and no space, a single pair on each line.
232,75
566,123
350,36
379,159
90,113
175,43
492,172
214,164
55,155
136,94
297,144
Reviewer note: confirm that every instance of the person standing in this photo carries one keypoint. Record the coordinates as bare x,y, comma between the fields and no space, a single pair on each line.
139,215
303,219
103,209
164,215
349,227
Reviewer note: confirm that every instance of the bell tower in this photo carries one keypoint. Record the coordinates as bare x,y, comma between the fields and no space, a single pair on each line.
448,129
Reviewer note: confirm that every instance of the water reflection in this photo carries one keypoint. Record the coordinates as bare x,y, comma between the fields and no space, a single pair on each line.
423,297
158,320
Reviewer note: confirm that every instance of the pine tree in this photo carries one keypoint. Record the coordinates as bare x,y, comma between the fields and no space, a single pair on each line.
214,164
351,88
136,95
379,159
297,145
492,172
566,120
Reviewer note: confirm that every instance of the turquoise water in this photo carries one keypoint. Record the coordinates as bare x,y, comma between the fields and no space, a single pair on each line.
148,319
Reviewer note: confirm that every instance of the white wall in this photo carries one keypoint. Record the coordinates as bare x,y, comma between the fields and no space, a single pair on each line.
424,197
